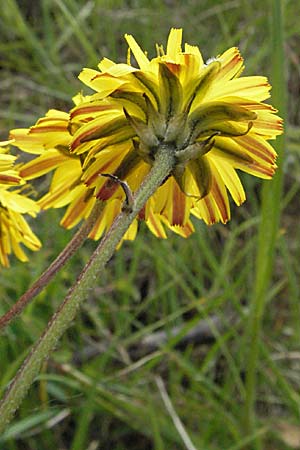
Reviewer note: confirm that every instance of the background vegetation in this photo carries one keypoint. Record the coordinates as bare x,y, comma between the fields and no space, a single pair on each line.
136,370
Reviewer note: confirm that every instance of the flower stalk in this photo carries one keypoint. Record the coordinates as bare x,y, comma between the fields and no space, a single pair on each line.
63,317
54,267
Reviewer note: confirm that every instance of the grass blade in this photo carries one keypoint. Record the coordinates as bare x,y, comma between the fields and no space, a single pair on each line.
268,228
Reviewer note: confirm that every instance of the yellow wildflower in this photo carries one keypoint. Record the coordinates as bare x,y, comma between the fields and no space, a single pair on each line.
215,120
212,119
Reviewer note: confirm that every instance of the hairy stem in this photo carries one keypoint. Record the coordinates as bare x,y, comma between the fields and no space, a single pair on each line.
65,314
54,267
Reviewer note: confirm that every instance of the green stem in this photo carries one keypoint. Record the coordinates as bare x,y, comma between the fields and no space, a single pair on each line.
268,230
65,314
54,267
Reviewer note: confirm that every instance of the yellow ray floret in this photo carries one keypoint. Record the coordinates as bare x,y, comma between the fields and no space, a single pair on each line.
8,173
14,230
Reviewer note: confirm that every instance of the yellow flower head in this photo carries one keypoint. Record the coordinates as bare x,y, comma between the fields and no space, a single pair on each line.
212,119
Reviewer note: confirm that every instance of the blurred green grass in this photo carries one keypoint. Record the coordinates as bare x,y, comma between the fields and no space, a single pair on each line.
101,389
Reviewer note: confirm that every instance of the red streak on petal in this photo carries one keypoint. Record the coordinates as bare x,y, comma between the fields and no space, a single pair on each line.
77,210
51,119
21,139
189,228
107,190
53,128
77,141
267,125
89,109
102,169
50,198
94,231
102,75
232,63
266,84
256,148
9,179
174,68
258,106
74,213
95,175
210,209
42,165
179,205
269,171
220,201
188,59
154,224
